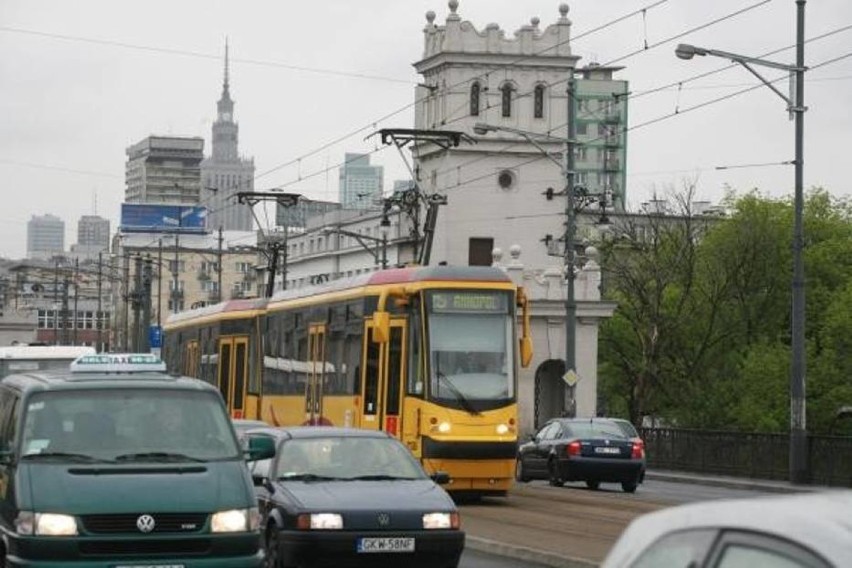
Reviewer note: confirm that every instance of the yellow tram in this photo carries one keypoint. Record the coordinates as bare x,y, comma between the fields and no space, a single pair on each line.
428,354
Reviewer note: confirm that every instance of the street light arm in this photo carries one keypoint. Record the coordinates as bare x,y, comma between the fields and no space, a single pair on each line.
766,82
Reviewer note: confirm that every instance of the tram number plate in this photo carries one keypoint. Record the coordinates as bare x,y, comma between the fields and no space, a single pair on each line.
386,544
609,450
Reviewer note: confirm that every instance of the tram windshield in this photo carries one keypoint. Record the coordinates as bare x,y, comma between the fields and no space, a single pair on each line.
471,346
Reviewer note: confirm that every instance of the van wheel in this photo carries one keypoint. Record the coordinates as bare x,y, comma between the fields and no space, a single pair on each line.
593,484
629,486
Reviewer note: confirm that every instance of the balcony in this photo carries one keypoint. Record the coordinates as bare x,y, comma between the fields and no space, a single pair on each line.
612,116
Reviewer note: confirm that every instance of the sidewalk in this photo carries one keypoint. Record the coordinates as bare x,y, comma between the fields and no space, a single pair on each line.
767,485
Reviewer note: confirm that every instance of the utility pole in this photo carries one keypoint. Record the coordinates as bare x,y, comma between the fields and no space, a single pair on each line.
125,286
175,281
569,402
219,268
160,284
65,283
145,324
136,296
56,301
76,295
99,317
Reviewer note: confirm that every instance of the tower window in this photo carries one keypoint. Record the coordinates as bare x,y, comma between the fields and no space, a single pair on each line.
474,99
506,93
538,101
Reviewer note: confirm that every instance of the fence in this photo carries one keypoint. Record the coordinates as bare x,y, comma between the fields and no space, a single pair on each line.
744,454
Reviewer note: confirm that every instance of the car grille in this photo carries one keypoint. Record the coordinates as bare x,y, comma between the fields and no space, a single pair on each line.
143,547
126,523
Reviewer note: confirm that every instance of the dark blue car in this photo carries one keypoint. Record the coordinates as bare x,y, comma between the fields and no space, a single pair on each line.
340,497
593,450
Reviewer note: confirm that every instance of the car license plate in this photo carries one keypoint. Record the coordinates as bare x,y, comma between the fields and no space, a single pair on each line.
608,450
386,544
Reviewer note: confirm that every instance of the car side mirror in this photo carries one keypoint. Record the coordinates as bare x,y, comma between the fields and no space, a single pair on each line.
260,448
440,477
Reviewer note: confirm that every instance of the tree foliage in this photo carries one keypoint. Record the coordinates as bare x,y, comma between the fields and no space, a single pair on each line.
701,336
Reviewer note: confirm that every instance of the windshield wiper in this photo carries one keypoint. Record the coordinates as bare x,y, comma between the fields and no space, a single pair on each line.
157,457
68,455
307,477
380,478
465,403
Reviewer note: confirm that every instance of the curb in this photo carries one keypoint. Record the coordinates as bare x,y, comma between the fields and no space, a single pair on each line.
732,483
526,554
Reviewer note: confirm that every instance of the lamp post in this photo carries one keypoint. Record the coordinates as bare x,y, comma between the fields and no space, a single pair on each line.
576,198
798,463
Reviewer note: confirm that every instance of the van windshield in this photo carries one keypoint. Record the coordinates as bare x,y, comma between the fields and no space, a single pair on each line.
127,425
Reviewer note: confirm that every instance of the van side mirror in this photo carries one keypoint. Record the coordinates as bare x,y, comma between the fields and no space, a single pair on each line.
260,448
440,477
7,457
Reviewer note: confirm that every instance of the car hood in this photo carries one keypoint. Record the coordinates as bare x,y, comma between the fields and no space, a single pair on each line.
418,494
88,489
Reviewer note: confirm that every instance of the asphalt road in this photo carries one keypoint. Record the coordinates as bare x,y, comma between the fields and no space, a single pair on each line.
476,559
553,525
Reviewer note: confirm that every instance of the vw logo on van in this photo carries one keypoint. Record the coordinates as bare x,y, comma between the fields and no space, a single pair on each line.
145,523
384,519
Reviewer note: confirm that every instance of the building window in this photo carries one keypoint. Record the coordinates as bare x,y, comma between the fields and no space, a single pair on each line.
243,267
479,251
538,101
474,99
582,128
506,95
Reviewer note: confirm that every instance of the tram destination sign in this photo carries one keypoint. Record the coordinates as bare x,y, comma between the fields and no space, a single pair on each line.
480,302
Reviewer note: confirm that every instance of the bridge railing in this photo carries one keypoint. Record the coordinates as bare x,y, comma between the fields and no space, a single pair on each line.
747,454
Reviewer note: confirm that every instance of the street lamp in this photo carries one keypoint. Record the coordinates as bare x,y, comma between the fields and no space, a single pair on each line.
796,107
576,198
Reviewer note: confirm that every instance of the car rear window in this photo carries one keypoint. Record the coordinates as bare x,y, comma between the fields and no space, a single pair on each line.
597,429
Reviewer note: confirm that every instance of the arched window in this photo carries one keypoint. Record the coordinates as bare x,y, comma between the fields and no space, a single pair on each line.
474,99
538,101
506,94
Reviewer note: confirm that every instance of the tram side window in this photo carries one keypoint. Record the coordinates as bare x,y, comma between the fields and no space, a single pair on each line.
416,362
371,377
351,362
335,381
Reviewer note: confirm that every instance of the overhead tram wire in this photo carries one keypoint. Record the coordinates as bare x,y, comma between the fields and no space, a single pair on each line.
409,105
202,55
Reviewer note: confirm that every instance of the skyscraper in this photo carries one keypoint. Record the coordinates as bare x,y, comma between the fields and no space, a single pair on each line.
92,237
361,184
45,236
225,173
164,169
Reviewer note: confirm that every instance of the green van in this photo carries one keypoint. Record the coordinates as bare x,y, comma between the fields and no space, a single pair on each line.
117,464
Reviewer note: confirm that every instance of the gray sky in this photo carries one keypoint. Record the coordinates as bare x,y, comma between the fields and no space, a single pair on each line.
69,107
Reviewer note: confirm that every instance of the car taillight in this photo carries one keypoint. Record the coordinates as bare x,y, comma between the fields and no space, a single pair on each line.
638,450
573,448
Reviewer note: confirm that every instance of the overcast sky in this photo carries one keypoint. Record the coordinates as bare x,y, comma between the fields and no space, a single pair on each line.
82,80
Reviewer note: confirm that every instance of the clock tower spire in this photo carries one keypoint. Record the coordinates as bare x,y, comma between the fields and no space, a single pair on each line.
225,130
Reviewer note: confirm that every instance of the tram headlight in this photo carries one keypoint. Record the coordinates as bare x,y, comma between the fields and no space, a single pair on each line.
502,429
444,427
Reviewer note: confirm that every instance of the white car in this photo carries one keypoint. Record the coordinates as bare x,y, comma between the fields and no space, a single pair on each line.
811,530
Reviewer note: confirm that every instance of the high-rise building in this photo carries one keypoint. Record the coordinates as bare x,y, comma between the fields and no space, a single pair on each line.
164,169
225,173
361,184
45,236
92,237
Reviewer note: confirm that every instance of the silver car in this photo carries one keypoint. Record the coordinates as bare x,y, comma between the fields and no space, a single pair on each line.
809,530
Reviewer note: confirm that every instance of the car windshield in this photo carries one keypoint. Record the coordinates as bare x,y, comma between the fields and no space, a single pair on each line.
345,458
596,429
127,425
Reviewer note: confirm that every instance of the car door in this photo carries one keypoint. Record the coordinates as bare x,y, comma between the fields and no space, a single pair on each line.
536,461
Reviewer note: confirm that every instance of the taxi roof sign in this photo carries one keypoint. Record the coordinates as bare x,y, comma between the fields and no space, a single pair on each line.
118,363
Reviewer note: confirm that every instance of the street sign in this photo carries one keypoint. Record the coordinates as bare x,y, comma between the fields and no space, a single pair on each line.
155,336
571,378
